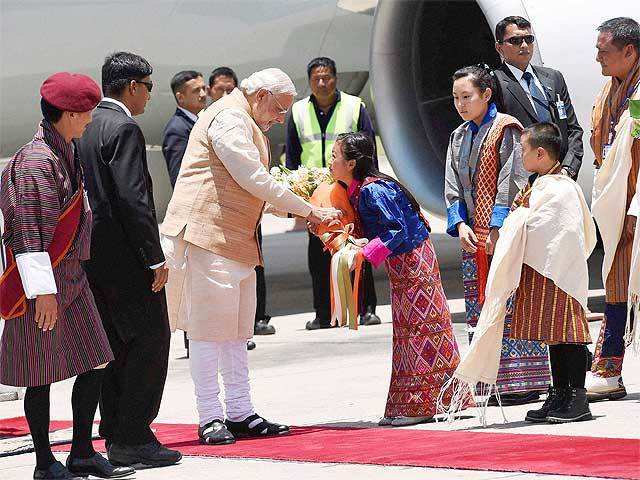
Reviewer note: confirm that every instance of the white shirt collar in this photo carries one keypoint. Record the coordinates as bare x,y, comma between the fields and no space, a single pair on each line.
120,104
519,73
189,114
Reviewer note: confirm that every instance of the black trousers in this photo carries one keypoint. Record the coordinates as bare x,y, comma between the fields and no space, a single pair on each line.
319,266
133,383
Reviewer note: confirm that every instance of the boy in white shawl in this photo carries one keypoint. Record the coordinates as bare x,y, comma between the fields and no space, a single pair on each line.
542,253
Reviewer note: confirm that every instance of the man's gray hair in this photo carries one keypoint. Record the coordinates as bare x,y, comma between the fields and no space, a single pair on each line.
271,79
624,30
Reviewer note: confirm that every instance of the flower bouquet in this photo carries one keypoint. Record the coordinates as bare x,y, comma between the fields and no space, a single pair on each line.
303,181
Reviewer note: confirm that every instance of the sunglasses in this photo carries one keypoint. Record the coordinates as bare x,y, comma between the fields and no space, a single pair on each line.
149,85
517,40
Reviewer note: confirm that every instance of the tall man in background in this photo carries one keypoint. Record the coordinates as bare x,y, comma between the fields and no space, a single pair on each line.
618,48
127,270
535,94
312,128
190,92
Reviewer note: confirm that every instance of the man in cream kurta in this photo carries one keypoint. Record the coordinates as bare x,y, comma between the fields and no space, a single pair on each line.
211,246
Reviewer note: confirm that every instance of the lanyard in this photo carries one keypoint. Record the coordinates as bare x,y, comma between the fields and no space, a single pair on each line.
619,111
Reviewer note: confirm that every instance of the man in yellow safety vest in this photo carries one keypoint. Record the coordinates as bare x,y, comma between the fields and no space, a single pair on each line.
312,128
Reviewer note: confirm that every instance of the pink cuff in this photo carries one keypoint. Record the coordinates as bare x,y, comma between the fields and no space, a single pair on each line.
376,252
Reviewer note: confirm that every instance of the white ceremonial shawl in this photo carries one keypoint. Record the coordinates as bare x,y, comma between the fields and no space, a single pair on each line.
555,236
609,200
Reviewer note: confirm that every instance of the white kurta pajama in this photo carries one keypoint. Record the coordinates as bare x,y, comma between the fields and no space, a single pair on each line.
212,297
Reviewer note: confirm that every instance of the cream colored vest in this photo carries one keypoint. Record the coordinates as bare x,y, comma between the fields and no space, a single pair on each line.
208,206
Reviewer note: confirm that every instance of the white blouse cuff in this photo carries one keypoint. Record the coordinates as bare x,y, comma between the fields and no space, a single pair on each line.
36,274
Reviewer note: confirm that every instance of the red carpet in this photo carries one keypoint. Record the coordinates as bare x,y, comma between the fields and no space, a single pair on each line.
549,454
17,426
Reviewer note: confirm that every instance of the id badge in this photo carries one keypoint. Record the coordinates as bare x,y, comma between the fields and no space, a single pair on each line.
605,150
562,113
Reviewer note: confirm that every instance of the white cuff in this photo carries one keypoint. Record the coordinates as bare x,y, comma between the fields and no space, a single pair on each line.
634,207
157,265
36,274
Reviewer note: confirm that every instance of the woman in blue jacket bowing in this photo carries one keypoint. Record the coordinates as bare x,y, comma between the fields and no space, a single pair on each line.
425,353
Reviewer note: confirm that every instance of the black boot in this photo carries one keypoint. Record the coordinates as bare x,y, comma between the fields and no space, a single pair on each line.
575,407
555,399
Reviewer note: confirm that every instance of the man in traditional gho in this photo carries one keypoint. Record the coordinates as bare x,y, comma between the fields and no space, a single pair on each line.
617,161
484,173
211,246
545,313
53,331
542,252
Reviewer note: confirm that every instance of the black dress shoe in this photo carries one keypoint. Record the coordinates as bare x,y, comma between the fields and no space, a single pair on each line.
555,398
509,399
98,466
251,345
316,324
152,454
215,433
56,471
370,318
261,327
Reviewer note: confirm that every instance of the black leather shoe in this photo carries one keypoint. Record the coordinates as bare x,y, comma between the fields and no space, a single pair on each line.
251,345
152,454
370,318
315,324
261,327
575,407
509,399
56,471
215,433
555,398
98,466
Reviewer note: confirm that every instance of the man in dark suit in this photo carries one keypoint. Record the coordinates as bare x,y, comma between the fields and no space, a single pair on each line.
190,92
535,94
127,271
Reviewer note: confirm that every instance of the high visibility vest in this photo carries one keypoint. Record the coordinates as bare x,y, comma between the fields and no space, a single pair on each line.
316,147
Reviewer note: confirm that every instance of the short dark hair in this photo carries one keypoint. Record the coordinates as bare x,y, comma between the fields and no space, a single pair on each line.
481,77
120,68
625,31
322,62
180,78
502,25
223,72
49,112
545,135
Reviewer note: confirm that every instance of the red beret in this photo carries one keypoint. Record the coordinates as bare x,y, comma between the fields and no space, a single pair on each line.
71,92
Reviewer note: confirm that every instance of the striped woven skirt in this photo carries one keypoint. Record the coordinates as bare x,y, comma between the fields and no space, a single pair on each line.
30,357
524,365
425,352
545,313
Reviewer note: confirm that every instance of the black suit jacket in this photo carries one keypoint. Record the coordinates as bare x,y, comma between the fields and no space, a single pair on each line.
514,101
174,143
125,240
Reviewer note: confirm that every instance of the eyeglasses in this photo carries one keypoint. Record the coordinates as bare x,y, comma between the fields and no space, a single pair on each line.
282,111
518,39
149,85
